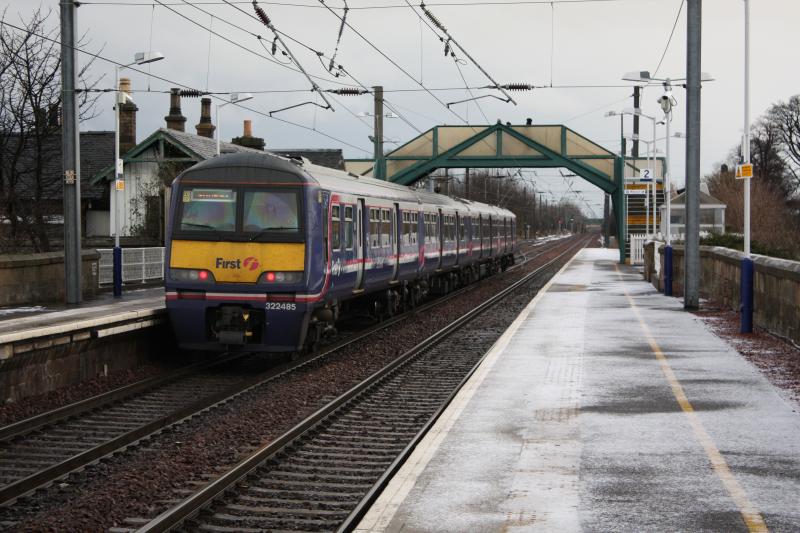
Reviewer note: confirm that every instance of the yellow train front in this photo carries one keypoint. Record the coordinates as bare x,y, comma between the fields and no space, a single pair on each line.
239,250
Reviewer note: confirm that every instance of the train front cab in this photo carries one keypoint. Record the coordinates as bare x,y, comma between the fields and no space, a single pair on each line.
243,271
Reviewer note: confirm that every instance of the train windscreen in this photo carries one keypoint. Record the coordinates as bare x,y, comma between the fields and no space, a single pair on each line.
271,211
208,210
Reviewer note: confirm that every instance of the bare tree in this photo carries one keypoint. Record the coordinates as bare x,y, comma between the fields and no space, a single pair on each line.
785,118
771,219
30,142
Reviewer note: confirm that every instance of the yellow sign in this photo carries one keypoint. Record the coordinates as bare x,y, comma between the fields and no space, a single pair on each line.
238,262
120,185
744,171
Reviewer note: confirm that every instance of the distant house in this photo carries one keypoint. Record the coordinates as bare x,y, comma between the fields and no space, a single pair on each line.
151,165
37,174
712,214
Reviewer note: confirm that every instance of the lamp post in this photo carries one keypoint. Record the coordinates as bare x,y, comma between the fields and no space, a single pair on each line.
140,58
667,102
746,278
233,98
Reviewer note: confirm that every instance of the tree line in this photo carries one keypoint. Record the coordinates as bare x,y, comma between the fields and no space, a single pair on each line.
30,131
541,214
775,187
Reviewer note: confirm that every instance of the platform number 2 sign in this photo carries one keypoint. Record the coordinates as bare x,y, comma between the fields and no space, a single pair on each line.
645,174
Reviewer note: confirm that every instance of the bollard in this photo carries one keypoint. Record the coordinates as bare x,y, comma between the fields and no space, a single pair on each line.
117,272
746,292
668,270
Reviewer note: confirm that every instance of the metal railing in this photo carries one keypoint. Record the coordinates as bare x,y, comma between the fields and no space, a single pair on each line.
637,248
138,265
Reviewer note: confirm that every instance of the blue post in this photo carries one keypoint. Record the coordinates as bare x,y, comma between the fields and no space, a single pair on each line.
746,289
117,272
668,270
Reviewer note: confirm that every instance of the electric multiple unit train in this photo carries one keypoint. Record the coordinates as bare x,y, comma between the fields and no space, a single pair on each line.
264,253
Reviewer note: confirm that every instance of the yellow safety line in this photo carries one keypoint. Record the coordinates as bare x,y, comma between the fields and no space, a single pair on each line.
750,513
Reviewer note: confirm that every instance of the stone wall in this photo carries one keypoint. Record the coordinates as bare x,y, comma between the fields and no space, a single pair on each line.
39,278
42,370
776,286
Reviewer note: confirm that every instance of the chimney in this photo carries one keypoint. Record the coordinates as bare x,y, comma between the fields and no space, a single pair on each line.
247,138
175,120
205,128
127,119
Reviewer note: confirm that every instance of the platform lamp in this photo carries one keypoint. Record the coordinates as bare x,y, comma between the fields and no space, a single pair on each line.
140,58
667,102
233,98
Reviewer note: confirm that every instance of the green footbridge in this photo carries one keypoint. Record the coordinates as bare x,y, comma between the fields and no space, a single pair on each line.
509,146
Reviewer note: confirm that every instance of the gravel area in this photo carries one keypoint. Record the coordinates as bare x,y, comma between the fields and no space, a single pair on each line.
143,480
35,405
778,359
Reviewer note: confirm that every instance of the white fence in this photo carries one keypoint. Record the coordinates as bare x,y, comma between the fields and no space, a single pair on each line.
637,248
138,265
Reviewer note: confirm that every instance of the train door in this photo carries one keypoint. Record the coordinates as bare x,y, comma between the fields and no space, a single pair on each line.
479,233
492,234
442,228
360,244
459,235
396,236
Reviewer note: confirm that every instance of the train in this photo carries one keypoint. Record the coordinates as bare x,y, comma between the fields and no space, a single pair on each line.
266,253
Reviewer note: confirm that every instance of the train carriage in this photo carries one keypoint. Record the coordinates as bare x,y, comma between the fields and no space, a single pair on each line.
264,253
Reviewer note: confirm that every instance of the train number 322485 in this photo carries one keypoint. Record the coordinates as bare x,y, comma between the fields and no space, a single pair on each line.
280,306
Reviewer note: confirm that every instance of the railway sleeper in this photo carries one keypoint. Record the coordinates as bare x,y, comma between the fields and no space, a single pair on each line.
244,521
353,470
310,504
282,512
284,484
305,494
315,477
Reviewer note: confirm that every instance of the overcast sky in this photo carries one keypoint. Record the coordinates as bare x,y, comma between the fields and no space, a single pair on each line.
587,43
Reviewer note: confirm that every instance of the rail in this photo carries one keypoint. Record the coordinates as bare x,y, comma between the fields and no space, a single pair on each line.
189,507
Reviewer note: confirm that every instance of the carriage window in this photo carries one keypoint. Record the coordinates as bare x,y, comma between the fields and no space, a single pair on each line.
348,227
271,211
336,240
414,227
208,210
374,228
386,224
406,233
462,230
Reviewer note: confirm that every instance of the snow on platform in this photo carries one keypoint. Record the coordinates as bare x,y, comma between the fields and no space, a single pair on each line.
604,407
135,305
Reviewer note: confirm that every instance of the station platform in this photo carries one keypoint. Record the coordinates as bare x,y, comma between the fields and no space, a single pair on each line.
36,328
604,407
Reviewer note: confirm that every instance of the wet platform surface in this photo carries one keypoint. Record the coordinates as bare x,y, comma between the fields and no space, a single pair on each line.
33,322
604,407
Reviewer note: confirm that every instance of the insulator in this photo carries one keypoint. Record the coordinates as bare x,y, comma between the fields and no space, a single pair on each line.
274,45
447,48
191,93
347,91
261,14
432,18
517,86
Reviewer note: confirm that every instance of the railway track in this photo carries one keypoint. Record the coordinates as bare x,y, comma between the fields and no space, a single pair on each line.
324,473
40,450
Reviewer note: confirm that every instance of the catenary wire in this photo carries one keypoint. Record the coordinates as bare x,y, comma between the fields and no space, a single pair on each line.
669,41
178,84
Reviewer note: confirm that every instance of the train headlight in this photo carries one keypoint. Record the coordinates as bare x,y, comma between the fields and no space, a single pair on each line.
281,277
190,274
